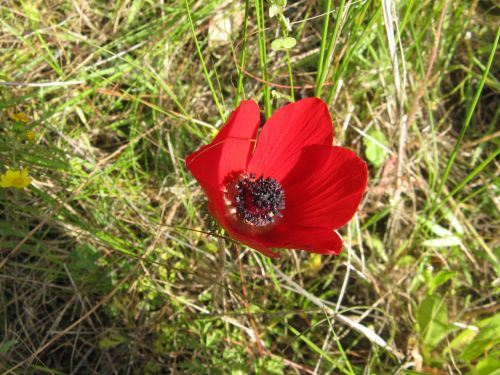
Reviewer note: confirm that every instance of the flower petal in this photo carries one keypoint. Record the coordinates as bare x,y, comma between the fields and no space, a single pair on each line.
26,182
229,152
4,182
231,148
325,188
287,131
221,216
313,240
253,242
10,174
243,122
212,163
202,168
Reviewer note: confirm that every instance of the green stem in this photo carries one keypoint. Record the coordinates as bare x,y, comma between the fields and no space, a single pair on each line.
331,49
468,117
284,31
239,90
259,10
290,73
203,65
324,36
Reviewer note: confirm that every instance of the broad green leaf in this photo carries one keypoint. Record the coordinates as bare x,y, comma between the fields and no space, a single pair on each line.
376,244
435,228
374,147
283,43
485,341
433,321
462,339
488,366
440,279
84,257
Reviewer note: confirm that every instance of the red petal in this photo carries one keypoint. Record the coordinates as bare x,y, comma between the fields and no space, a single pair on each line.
228,152
218,210
314,240
230,149
243,122
220,214
202,168
287,131
266,251
325,188
254,243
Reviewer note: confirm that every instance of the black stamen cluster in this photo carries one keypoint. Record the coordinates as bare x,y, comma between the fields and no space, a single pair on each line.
258,201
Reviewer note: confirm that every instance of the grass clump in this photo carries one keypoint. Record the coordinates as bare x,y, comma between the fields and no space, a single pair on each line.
107,261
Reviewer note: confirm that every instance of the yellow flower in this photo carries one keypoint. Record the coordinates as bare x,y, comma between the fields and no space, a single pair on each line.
19,117
30,135
17,179
315,263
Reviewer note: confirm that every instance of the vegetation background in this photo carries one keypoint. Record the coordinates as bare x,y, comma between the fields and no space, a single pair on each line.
108,262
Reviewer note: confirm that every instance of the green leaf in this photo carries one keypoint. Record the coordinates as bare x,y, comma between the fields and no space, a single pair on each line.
134,11
485,341
488,366
85,270
374,147
44,159
5,346
273,365
84,258
112,341
376,244
433,321
273,10
440,279
283,43
31,10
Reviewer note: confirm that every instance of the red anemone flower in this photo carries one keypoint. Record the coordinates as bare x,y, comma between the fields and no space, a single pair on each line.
288,187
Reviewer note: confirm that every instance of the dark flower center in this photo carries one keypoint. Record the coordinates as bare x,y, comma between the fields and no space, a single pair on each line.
257,201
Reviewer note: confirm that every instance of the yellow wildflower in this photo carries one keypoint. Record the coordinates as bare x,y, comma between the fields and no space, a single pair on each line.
17,179
315,263
30,135
19,117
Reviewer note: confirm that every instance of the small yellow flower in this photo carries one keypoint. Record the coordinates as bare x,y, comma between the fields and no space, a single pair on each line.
30,135
315,263
17,179
19,117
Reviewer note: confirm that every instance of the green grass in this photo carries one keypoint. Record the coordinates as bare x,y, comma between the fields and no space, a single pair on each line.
109,261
